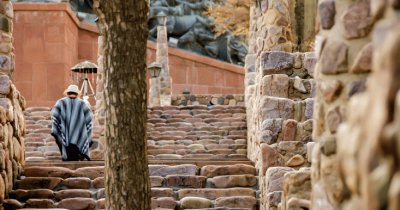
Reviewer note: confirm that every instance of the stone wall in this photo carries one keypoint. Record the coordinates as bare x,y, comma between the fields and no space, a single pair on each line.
357,168
344,52
187,99
12,104
278,97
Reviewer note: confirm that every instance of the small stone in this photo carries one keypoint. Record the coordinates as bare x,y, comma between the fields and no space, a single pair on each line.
163,203
5,85
289,130
356,87
310,59
334,58
90,172
12,204
296,160
357,20
330,89
195,203
328,146
298,85
334,118
363,61
327,12
99,182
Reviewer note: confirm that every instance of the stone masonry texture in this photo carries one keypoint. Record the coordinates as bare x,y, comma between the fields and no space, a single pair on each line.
279,90
12,104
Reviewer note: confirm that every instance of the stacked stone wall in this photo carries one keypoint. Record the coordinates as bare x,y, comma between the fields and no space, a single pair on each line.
187,99
279,89
355,162
12,104
344,53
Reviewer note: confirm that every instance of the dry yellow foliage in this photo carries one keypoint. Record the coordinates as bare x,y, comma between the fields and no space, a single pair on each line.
231,15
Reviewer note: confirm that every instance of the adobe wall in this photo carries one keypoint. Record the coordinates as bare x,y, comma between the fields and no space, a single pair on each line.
355,162
279,87
12,104
50,40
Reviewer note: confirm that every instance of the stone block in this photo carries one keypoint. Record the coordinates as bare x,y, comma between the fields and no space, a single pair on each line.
330,89
5,85
162,192
182,181
234,181
274,178
99,182
270,158
195,203
357,20
77,183
273,199
327,12
156,181
333,119
363,61
334,58
90,172
39,203
245,202
276,85
210,171
23,195
163,203
38,183
77,203
75,193
355,87
213,194
186,169
274,62
309,61
289,130
37,171
273,107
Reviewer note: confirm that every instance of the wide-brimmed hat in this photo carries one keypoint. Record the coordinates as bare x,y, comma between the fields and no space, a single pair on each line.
72,89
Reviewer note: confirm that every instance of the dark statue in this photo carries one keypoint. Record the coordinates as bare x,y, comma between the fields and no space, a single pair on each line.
186,23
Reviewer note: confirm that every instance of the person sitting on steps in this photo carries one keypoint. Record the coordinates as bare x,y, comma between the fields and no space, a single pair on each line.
72,125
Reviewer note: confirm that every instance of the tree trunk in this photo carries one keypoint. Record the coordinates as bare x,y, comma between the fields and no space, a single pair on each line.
123,24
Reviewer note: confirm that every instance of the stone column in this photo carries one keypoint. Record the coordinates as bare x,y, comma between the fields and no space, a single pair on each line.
344,61
368,142
279,87
98,149
164,80
12,105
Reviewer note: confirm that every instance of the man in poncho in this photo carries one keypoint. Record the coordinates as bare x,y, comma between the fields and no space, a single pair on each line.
72,126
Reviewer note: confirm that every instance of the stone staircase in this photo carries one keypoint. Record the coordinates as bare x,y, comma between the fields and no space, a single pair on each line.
197,161
185,186
174,132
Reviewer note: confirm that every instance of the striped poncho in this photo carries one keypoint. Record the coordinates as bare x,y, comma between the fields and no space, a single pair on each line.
72,128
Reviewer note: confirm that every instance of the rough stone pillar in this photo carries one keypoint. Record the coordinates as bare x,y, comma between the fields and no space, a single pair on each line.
368,143
344,53
12,104
279,87
98,149
164,80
